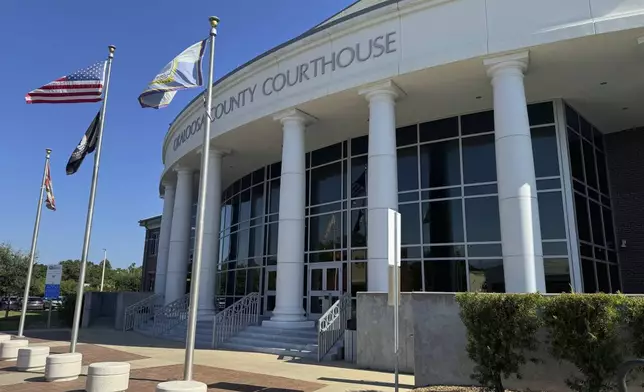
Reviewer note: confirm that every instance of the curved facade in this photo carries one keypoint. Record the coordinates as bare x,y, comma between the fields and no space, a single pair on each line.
471,121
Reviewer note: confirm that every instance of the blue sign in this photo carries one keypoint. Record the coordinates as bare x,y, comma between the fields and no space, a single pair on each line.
52,291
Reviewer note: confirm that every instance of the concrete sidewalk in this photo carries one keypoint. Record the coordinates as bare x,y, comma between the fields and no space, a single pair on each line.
155,360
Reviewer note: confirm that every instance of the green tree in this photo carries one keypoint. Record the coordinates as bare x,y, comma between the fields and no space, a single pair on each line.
13,271
127,279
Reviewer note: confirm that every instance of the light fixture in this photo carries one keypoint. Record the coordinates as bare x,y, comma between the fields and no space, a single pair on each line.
603,83
625,108
479,97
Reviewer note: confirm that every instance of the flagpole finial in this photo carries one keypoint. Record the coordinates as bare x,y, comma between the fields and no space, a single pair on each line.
48,150
214,21
111,48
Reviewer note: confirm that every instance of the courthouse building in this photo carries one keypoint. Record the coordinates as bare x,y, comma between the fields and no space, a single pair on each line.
505,132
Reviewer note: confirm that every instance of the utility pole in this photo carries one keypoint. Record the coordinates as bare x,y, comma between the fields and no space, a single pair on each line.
103,273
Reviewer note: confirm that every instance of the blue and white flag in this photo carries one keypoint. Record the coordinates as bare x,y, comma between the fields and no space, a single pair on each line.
183,72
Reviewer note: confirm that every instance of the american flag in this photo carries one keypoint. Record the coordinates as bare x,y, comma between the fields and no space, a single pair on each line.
85,85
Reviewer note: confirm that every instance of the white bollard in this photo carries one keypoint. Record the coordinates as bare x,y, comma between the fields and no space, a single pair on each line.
63,367
32,358
108,377
9,348
182,386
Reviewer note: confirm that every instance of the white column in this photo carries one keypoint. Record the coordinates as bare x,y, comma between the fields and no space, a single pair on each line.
518,207
382,179
210,256
288,312
164,238
179,237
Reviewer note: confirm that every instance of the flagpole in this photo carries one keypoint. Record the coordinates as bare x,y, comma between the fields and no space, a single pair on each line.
201,208
32,252
90,208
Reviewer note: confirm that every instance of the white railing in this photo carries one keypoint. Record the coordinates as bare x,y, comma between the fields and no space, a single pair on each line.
332,324
235,318
171,315
141,312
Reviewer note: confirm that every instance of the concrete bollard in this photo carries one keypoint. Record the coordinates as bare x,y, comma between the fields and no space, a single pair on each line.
32,358
63,367
108,377
182,386
9,348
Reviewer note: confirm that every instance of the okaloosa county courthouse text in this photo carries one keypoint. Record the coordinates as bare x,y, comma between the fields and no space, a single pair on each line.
506,133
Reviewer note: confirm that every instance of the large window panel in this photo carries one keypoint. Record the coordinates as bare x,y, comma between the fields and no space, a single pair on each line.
589,164
325,232
448,276
359,228
583,222
326,183
411,276
576,157
479,159
482,219
551,216
440,164
257,206
407,168
443,221
358,177
274,195
486,276
544,151
409,224
557,273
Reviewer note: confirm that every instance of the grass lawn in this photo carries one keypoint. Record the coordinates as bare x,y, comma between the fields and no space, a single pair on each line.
35,320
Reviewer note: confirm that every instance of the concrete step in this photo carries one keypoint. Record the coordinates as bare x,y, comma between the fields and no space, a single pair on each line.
271,350
281,344
261,335
302,333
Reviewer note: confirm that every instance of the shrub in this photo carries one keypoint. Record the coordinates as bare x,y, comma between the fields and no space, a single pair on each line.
501,330
66,310
635,322
584,330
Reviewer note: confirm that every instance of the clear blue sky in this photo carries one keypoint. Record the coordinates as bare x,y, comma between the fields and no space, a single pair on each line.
43,40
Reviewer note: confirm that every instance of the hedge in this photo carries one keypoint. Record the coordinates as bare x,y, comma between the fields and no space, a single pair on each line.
582,329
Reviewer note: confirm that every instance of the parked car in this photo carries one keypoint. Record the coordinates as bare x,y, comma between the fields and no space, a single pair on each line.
35,303
11,303
54,303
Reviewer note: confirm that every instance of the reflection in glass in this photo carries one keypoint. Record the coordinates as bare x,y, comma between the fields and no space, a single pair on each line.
257,207
274,189
551,216
358,177
440,164
589,164
479,159
445,276
409,224
358,278
271,240
482,219
325,232
557,272
486,276
359,228
544,151
443,222
326,183
407,168
252,280
240,282
411,276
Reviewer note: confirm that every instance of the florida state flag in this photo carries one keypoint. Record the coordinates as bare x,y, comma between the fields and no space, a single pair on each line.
50,202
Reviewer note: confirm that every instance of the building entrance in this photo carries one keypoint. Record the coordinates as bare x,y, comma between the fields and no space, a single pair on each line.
270,289
326,287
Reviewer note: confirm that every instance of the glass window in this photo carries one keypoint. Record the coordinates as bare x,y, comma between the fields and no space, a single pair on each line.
555,248
598,138
242,244
448,276
358,177
257,207
608,228
443,222
409,224
485,250
544,151
407,135
614,278
407,168
551,216
326,155
325,232
221,284
240,282
576,159
486,276
603,280
588,274
230,287
271,240
589,164
439,129
474,123
252,280
358,278
596,223
482,217
258,176
541,113
411,276
274,195
326,183
572,119
585,129
359,228
443,251
246,182
601,172
245,206
583,222
440,164
360,145
557,273
479,160
256,244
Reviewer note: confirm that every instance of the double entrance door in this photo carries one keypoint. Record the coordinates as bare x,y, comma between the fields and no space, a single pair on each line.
324,283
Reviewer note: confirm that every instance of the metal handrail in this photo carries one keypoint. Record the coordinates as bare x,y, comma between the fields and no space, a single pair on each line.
141,312
171,315
235,318
332,324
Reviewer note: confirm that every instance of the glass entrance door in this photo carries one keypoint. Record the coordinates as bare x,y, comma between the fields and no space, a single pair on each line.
325,282
270,287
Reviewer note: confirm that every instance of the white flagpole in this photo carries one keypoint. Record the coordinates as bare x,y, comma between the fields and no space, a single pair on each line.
90,208
32,252
201,208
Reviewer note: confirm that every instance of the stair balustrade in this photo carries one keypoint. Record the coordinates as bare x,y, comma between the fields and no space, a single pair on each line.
171,315
235,319
332,324
141,312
